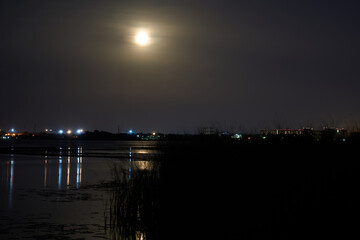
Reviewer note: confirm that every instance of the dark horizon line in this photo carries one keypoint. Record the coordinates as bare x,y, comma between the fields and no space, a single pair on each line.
200,131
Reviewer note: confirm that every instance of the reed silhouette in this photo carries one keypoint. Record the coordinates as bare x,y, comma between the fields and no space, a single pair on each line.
134,202
223,190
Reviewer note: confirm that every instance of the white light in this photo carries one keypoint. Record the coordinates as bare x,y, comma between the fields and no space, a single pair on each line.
69,131
12,130
61,131
142,38
130,131
237,135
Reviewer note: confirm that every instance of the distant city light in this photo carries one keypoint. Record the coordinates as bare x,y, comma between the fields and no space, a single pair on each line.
12,130
69,131
237,135
153,133
131,131
79,131
61,131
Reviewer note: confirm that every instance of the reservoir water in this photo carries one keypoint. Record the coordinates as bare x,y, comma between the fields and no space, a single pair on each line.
58,189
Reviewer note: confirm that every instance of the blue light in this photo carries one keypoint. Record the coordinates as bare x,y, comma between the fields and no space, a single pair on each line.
12,130
79,131
78,172
130,131
61,131
11,180
60,170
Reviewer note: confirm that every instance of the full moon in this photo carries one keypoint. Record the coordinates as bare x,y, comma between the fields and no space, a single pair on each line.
142,38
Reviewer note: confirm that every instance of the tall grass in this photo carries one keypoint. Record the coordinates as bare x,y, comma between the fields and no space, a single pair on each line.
218,190
134,202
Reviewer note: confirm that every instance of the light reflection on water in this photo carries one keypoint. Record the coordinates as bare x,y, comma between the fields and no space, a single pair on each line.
7,180
11,177
130,164
45,171
72,164
68,168
68,165
60,171
69,172
78,171
52,184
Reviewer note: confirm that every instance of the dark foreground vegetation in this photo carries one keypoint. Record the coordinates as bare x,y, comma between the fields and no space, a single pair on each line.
215,189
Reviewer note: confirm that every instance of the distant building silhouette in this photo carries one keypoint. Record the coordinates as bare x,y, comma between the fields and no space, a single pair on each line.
207,131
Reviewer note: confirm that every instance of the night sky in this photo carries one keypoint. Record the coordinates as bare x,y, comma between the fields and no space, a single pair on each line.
238,65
